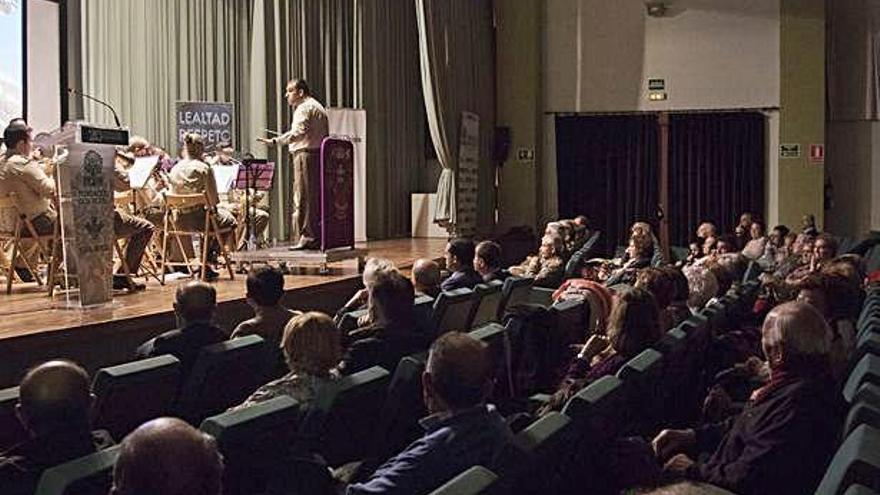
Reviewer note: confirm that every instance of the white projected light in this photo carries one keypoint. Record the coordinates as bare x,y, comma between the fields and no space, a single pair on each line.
10,61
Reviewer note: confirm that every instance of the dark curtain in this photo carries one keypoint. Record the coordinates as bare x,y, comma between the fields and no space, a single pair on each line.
607,170
716,170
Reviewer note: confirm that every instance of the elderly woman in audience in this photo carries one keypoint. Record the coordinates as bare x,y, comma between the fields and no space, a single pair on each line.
661,285
547,268
634,325
312,350
373,268
782,441
392,331
756,246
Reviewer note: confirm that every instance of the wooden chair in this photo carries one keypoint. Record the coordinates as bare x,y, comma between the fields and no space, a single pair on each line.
43,245
126,201
176,203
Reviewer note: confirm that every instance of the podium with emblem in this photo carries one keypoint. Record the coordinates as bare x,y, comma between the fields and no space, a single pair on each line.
85,203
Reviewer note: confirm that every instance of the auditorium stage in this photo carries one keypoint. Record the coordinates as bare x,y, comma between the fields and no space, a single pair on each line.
33,328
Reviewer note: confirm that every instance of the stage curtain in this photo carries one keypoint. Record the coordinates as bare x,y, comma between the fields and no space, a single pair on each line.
143,55
853,48
457,68
607,169
716,170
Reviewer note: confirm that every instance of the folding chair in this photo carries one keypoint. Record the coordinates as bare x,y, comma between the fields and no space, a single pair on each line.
175,204
43,245
126,201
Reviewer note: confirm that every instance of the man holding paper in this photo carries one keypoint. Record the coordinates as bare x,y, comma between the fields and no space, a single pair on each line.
308,129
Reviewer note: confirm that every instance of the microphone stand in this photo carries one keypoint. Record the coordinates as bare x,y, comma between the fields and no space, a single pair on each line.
104,103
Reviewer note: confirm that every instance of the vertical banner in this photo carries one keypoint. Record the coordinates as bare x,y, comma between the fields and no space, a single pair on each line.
86,198
337,194
351,124
467,176
212,120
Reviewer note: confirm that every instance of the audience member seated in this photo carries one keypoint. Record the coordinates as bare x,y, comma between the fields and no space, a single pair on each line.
166,456
660,284
726,245
547,267
460,261
678,307
265,286
684,488
781,443
194,305
372,269
634,325
775,250
596,294
312,351
702,286
461,431
487,262
53,407
426,277
637,256
706,230
642,230
757,244
392,332
742,232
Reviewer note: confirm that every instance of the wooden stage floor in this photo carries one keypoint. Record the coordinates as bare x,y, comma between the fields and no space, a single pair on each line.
34,328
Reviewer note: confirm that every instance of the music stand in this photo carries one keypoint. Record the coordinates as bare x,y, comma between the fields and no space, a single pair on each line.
256,174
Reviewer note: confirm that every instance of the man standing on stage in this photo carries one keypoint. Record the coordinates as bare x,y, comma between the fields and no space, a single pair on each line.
307,130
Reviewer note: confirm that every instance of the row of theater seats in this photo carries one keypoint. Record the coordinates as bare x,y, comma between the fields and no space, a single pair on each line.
562,452
371,414
855,467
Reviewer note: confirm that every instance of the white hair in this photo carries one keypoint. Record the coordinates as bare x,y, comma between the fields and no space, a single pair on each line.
375,266
702,285
799,330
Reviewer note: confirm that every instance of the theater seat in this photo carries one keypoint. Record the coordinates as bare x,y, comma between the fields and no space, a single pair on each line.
672,342
423,312
401,410
452,309
861,414
867,393
487,301
859,490
646,394
516,290
345,414
595,409
11,431
867,370
255,442
476,480
856,461
224,375
130,394
349,321
531,461
88,475
572,317
542,296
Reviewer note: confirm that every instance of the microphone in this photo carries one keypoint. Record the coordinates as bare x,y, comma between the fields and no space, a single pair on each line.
92,98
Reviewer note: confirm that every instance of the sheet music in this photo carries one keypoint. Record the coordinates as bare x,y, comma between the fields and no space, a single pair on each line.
140,172
225,176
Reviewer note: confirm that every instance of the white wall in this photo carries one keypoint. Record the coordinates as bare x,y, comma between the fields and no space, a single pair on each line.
44,74
713,54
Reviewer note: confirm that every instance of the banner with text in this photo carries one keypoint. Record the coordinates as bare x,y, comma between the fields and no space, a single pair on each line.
213,120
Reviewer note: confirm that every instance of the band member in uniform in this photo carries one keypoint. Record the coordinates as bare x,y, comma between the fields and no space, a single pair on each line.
193,176
25,177
235,199
307,130
138,231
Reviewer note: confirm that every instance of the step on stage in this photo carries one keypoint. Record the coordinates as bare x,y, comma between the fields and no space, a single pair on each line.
286,258
34,329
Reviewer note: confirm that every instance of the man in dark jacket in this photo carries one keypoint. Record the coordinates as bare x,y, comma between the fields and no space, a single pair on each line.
487,262
194,307
782,442
460,261
53,407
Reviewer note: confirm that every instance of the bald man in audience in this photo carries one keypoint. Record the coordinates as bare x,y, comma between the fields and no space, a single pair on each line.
426,277
783,440
194,306
53,407
166,456
462,430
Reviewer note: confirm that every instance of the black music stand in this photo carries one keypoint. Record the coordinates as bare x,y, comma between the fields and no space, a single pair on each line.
256,174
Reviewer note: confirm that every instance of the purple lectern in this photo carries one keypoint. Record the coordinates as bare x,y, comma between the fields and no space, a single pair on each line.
337,194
